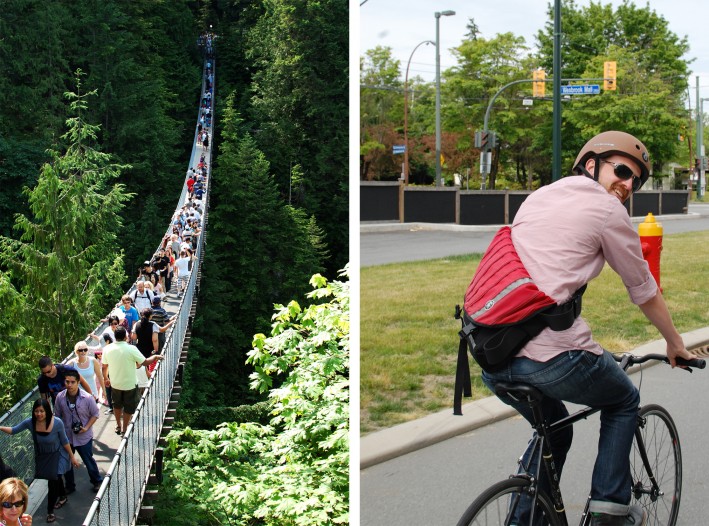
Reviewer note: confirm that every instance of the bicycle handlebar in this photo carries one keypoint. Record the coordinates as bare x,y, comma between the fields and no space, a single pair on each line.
626,360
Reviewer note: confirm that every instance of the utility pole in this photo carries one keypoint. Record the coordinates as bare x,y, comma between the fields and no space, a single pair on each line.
438,93
700,141
556,132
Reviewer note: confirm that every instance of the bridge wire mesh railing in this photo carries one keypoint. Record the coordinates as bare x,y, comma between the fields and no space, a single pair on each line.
119,498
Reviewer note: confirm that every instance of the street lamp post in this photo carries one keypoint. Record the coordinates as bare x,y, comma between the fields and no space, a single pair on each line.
406,112
438,15
700,146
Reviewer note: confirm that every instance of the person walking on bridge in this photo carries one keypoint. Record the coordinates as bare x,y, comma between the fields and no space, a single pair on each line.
51,380
142,297
119,360
79,412
53,454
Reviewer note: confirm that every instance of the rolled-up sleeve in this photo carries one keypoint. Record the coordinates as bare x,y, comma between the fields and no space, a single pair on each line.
621,249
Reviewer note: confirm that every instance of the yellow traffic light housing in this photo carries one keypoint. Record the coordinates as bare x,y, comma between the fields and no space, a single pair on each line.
538,86
609,75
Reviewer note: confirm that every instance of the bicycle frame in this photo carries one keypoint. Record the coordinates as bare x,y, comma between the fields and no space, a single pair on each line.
542,451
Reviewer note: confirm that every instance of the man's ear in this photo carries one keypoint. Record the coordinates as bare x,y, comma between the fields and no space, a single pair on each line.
590,165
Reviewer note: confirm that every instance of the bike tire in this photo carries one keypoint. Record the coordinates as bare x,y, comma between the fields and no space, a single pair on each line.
662,446
492,507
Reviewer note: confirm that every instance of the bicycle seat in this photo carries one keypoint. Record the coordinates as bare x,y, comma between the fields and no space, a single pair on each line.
519,391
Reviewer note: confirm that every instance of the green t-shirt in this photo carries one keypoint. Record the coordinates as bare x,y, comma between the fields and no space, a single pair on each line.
121,358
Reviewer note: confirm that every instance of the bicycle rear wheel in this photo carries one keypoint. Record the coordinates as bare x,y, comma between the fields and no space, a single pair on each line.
497,504
661,441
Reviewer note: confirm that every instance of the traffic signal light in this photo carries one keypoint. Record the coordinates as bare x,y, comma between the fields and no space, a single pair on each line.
484,140
609,75
538,86
493,140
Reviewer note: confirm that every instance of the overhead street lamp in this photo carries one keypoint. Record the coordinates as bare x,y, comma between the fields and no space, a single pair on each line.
406,112
438,15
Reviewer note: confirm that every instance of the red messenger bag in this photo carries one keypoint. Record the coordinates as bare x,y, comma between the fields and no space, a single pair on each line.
503,310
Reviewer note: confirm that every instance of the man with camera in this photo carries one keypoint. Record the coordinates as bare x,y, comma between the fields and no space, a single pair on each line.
78,410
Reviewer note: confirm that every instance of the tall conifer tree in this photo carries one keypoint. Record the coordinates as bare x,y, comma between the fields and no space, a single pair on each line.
68,262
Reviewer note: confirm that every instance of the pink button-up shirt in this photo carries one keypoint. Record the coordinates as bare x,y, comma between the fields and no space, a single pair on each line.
564,233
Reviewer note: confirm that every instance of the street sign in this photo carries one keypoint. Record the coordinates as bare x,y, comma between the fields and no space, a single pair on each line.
399,148
485,162
588,89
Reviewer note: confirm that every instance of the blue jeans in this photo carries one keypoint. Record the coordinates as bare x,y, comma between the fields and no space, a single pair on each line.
87,456
583,378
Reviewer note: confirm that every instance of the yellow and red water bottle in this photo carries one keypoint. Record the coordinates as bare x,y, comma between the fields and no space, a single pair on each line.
651,242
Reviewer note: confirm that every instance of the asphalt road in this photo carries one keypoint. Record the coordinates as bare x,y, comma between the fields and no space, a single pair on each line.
416,244
434,485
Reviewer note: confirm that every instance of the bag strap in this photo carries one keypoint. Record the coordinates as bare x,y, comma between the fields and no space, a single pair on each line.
462,372
562,316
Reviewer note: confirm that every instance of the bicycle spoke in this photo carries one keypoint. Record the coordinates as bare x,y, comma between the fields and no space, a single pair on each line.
659,437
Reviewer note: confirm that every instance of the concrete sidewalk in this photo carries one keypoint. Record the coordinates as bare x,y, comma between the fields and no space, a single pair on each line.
371,227
411,436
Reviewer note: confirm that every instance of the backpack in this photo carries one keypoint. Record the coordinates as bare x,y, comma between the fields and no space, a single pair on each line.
504,310
148,292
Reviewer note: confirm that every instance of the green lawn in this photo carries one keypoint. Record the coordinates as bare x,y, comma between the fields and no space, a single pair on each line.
409,338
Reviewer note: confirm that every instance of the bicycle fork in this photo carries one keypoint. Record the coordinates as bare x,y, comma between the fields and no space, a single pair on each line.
638,489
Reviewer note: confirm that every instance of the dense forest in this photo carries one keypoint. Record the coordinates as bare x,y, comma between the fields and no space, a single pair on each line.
282,103
98,103
650,100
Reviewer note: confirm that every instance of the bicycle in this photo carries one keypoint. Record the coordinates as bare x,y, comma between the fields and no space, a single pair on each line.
656,477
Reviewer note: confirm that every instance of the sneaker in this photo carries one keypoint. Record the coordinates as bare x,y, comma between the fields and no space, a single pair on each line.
108,412
636,517
96,486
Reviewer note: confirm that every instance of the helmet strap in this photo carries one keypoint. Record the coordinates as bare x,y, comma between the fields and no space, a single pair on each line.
582,168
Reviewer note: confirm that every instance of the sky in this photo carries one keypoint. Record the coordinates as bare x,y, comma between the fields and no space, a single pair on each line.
403,24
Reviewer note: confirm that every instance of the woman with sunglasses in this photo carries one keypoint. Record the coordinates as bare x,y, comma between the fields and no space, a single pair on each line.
564,234
88,368
14,499
51,437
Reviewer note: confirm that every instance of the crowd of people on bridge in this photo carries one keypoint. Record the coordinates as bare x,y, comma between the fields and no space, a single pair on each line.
115,371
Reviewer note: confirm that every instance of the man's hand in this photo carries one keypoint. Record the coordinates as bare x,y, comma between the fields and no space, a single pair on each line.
674,352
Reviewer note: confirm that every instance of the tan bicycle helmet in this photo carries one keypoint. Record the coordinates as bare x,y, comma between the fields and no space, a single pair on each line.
614,143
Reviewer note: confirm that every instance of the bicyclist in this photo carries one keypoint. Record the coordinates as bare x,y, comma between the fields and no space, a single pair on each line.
564,233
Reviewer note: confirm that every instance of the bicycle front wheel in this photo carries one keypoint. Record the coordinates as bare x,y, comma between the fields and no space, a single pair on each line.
497,505
661,443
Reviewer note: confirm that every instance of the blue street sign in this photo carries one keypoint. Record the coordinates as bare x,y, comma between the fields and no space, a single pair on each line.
588,89
399,148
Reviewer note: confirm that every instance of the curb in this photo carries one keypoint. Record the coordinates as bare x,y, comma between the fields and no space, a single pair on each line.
405,438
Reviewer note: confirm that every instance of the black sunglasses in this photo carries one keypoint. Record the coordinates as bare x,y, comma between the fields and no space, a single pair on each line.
624,172
9,505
